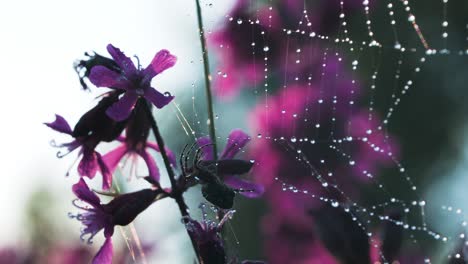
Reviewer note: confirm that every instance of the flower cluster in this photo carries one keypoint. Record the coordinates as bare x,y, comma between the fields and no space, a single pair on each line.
124,115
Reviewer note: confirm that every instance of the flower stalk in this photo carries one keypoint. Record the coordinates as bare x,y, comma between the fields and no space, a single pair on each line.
207,75
176,193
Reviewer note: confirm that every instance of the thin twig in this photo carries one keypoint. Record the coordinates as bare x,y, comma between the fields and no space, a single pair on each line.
176,193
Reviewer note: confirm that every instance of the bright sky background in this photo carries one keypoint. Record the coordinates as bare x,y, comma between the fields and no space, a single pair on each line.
39,42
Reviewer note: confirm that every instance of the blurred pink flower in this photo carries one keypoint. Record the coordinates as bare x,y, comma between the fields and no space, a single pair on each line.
309,120
292,239
248,31
305,125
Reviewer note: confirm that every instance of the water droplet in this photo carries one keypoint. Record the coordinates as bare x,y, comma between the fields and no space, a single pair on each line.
266,48
140,91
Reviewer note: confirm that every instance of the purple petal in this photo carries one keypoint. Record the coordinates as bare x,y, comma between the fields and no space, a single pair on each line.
106,175
124,62
103,77
60,124
71,145
253,190
158,99
151,164
170,154
82,191
196,228
162,61
88,165
207,149
104,255
122,109
236,141
112,158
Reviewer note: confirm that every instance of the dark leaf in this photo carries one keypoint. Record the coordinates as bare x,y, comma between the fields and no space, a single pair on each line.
342,236
392,237
97,124
219,195
125,208
83,67
229,166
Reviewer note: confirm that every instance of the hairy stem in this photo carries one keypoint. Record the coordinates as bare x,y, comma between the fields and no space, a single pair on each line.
206,68
177,193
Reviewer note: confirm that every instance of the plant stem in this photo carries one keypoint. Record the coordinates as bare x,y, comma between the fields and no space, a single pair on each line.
206,68
209,97
176,193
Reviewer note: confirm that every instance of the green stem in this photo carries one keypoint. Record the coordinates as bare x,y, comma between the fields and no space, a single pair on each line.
176,193
209,97
206,68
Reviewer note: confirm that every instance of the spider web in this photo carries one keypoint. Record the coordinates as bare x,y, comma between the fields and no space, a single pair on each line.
356,77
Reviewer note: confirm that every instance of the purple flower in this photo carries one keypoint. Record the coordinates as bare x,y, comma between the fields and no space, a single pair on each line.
92,128
122,210
135,143
227,167
91,160
207,235
134,82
